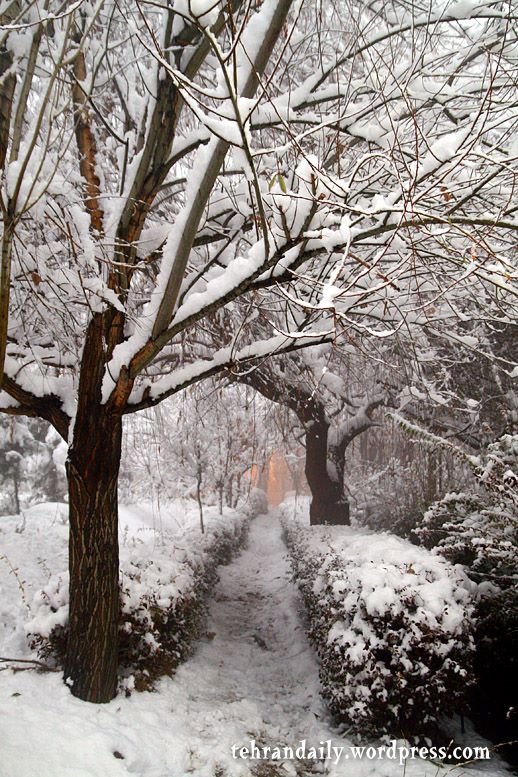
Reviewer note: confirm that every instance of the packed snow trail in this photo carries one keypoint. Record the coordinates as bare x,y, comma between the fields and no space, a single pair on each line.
256,675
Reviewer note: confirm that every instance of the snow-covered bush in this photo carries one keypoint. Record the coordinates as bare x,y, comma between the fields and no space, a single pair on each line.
163,603
473,530
161,618
257,503
480,530
391,626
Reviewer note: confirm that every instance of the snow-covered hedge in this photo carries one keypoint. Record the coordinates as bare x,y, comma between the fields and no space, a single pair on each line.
257,503
479,529
164,588
390,623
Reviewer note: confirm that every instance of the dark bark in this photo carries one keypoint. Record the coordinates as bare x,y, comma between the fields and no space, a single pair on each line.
93,468
7,85
199,477
328,504
16,478
92,647
51,484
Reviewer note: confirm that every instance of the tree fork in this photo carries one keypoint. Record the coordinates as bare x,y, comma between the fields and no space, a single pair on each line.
328,504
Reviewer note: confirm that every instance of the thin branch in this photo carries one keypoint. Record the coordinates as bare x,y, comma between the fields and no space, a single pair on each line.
32,662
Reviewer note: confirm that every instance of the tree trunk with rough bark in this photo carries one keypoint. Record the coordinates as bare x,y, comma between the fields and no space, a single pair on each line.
93,468
92,647
328,504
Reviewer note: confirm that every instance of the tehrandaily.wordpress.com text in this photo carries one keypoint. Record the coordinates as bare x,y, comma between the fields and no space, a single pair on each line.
327,751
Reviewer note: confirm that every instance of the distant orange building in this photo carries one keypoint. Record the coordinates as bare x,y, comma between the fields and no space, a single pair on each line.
276,478
278,481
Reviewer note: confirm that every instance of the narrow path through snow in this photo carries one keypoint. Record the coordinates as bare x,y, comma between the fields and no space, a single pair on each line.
256,673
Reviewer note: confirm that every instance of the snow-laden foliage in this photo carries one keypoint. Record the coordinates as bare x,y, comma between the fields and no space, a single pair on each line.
149,183
468,529
173,172
163,601
480,530
391,626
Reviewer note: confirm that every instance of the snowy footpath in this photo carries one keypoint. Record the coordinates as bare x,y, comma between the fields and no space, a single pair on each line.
253,678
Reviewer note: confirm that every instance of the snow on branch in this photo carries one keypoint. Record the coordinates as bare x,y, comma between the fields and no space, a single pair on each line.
225,359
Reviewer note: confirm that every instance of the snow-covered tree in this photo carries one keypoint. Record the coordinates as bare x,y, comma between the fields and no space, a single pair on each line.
321,389
30,467
218,429
472,373
164,162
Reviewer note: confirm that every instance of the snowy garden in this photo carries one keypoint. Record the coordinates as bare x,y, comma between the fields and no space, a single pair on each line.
258,408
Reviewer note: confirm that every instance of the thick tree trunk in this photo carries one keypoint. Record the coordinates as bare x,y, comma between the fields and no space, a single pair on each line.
93,469
92,647
328,504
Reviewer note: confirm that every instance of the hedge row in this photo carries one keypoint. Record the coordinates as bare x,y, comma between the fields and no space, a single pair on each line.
392,631
163,603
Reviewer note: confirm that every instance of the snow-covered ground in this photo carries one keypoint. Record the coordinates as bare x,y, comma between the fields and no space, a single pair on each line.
253,677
